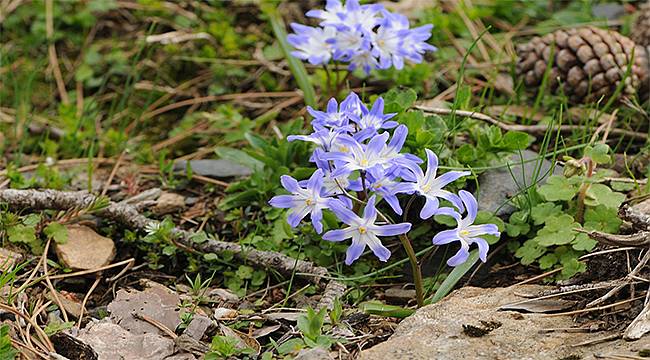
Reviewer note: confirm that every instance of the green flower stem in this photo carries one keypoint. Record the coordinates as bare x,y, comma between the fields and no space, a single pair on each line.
295,65
582,194
415,267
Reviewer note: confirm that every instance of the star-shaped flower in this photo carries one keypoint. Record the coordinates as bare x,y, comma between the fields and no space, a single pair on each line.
431,187
303,201
466,233
363,231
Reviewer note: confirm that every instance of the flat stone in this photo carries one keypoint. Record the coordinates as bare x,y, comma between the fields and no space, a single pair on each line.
155,302
198,326
317,353
499,185
214,168
85,249
399,296
609,11
468,325
8,259
169,203
111,341
69,301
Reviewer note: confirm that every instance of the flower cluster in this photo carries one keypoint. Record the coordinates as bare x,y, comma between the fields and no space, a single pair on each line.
355,154
365,36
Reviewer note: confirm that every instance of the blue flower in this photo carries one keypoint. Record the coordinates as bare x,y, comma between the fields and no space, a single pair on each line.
385,184
415,44
430,186
358,156
363,231
333,117
373,120
388,41
466,233
303,201
366,36
311,43
391,152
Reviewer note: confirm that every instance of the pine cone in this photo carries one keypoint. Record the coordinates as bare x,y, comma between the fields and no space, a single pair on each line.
588,62
640,33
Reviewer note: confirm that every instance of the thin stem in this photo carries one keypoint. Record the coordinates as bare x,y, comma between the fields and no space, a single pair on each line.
582,194
415,268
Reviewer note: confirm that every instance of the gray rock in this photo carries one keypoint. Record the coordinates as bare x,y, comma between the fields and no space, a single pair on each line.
499,185
168,203
156,302
111,341
397,295
198,326
214,168
443,331
609,11
317,353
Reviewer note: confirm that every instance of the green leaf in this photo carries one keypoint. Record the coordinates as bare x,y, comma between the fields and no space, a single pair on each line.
398,100
21,233
239,157
57,232
454,277
295,65
516,140
599,153
542,212
583,242
378,308
529,252
558,188
311,324
547,261
600,194
602,219
290,346
572,267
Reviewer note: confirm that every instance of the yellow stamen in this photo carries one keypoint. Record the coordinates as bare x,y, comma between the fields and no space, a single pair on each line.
464,233
364,162
308,201
362,230
426,188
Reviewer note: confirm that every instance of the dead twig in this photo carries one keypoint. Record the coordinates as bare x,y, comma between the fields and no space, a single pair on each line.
531,129
129,216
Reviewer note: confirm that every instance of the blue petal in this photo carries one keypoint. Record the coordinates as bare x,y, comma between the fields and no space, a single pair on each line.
470,204
316,218
370,212
430,207
282,201
460,257
289,183
483,248
354,252
378,248
445,237
315,183
337,235
392,229
343,213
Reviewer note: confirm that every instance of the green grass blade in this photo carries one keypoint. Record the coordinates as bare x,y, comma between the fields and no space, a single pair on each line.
455,276
295,65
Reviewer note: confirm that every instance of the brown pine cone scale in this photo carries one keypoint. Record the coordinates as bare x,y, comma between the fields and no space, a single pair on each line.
589,63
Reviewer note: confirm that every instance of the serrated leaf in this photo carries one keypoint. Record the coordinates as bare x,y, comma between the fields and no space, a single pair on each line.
599,153
600,194
583,242
558,188
21,233
602,218
542,212
57,232
529,252
548,261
